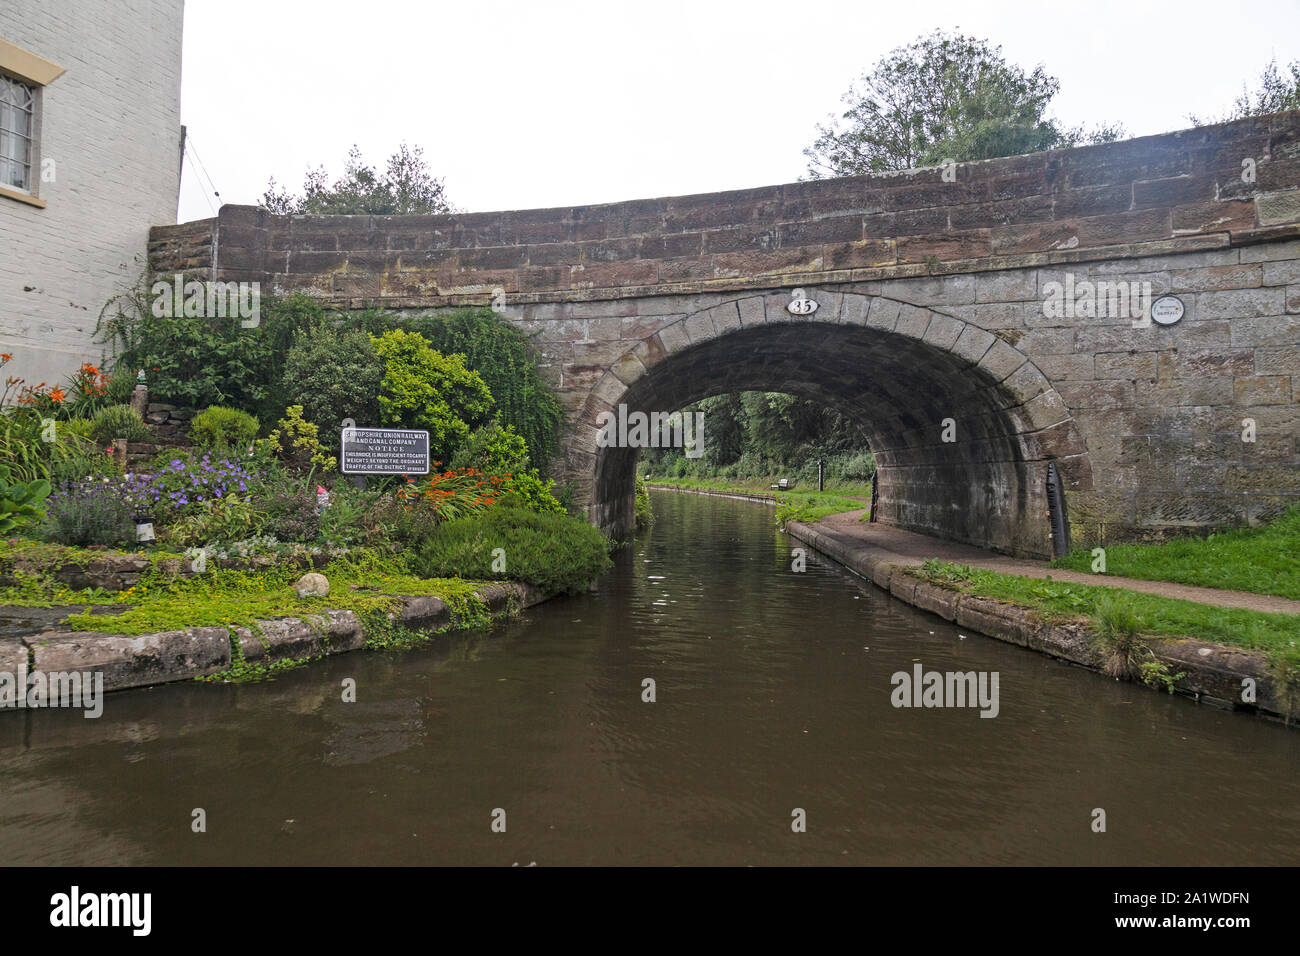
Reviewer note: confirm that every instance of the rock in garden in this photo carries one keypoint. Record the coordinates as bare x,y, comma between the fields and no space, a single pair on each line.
312,585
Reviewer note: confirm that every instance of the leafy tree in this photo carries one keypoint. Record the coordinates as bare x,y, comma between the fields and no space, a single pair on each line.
757,434
499,352
942,98
405,187
425,389
1277,91
334,374
725,420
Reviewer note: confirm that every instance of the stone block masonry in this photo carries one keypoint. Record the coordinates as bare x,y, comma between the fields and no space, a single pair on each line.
931,308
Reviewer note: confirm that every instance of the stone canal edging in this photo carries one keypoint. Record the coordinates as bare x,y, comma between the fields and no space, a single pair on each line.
1214,673
140,660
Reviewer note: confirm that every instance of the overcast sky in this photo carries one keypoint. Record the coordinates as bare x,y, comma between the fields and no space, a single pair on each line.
531,104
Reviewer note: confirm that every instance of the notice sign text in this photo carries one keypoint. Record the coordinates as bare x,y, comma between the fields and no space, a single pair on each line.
384,451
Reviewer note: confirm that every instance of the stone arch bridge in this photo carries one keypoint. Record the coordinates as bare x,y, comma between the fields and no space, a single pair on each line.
934,292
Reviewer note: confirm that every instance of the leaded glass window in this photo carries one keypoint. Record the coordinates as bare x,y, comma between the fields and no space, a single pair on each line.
16,106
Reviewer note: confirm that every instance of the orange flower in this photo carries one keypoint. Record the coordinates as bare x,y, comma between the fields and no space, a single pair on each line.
5,356
57,395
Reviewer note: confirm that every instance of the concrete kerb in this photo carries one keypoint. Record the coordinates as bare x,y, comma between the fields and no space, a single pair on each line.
141,660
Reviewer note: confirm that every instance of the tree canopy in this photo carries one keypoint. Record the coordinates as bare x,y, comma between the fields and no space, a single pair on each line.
424,389
1278,90
942,98
405,187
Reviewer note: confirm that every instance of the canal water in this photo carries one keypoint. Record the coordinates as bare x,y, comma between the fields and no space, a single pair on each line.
772,695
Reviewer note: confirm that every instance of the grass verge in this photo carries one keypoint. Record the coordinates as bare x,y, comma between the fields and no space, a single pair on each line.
363,582
799,504
1263,560
1277,635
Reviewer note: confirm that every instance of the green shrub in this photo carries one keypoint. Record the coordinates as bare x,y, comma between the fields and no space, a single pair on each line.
334,374
645,515
498,451
291,515
219,519
20,503
348,518
499,352
424,389
196,361
120,385
296,445
223,428
556,553
88,511
528,489
493,449
119,421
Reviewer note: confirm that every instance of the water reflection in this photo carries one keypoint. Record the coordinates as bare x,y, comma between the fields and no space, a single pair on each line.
773,692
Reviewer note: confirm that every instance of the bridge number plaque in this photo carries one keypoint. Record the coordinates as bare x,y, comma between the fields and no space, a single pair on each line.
800,304
1167,310
384,451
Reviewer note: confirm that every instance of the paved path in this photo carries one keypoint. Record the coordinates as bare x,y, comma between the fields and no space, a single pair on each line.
908,547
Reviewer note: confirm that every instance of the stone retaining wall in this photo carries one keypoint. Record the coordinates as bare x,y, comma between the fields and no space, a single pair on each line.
128,661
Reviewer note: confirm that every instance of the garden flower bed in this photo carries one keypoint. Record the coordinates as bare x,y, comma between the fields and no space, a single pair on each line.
205,544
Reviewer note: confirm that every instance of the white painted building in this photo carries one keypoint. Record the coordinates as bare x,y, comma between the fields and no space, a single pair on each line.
90,158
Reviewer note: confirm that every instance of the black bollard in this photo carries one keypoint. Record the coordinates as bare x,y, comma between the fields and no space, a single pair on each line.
1056,512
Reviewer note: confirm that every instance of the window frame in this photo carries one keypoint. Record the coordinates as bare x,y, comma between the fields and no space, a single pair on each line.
32,136
35,73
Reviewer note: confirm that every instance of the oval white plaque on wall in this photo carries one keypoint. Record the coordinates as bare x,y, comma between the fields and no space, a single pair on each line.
800,304
1167,310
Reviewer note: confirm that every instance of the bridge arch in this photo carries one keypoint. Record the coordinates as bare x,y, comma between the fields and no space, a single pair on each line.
902,370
